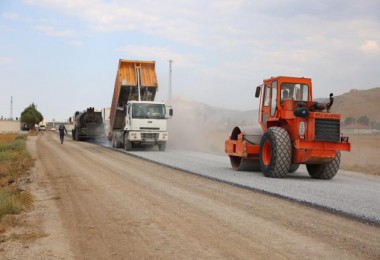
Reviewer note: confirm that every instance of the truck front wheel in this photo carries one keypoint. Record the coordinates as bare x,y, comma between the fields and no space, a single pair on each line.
162,146
127,143
77,136
275,153
325,171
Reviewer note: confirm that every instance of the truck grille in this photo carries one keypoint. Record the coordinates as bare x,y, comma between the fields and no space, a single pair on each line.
327,130
149,128
149,136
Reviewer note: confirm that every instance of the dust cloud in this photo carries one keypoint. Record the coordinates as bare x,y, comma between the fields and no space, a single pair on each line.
200,127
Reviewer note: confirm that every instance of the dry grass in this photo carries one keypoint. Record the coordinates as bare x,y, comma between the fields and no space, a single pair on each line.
13,201
14,163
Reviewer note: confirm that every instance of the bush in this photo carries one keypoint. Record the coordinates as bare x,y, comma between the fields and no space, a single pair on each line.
14,163
12,201
20,137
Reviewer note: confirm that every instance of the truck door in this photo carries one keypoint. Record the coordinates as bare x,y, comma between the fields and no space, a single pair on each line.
268,103
264,111
273,102
128,117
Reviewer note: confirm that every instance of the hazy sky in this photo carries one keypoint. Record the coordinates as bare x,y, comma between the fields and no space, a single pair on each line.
63,54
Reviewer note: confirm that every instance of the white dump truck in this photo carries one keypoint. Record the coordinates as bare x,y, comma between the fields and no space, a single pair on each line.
135,118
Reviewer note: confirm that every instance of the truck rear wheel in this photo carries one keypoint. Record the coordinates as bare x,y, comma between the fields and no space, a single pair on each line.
240,164
275,153
325,171
118,141
77,136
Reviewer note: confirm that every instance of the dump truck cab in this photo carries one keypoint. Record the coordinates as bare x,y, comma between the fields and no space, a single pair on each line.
295,130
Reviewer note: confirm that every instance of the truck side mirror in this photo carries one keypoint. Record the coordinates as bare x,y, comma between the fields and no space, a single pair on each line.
258,90
171,112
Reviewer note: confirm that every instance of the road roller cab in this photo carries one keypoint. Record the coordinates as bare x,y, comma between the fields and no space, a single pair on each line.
294,130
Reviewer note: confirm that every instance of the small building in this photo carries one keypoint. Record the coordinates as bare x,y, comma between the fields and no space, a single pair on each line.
357,129
9,126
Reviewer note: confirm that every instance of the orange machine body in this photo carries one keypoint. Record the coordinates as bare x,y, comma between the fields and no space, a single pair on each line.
314,132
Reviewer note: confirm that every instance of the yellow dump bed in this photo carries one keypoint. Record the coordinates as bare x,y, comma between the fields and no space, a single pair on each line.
126,87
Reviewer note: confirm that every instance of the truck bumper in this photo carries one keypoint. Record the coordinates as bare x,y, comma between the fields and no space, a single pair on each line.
148,137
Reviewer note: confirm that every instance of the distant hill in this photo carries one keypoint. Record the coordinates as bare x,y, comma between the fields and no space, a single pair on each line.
202,112
357,103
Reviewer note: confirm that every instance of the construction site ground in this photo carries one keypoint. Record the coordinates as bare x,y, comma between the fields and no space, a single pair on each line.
96,203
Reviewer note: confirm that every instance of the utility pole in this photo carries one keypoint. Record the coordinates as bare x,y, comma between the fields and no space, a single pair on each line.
170,82
11,117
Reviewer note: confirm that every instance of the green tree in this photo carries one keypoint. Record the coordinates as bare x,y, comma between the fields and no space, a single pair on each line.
31,116
349,121
364,120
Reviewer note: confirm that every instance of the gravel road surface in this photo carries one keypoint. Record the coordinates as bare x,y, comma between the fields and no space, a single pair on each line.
348,193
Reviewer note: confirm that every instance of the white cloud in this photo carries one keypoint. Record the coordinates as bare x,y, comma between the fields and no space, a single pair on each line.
5,28
75,43
190,22
229,41
51,31
10,16
370,47
225,24
5,60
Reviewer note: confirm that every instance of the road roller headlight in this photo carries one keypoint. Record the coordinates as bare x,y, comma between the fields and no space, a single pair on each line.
302,130
301,112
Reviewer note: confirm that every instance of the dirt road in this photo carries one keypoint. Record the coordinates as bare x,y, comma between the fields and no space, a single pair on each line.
96,203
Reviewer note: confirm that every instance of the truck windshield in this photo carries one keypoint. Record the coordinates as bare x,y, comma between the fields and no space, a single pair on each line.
299,92
150,111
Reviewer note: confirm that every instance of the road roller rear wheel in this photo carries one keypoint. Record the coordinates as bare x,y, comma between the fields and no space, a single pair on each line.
244,164
240,164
